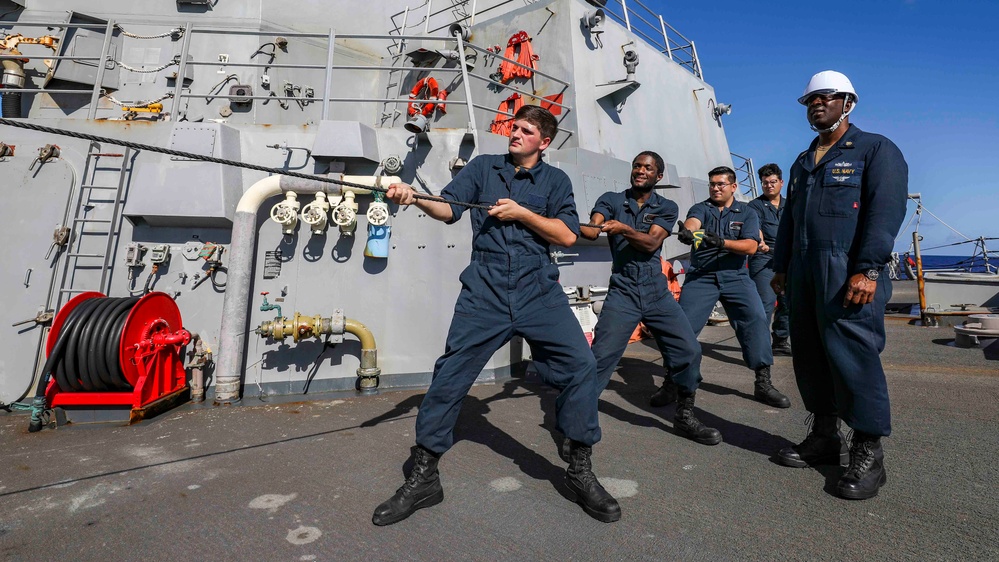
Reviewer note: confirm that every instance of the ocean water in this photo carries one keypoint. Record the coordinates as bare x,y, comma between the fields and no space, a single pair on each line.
963,263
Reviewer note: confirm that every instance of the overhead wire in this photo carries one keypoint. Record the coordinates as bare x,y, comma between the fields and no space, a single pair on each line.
223,161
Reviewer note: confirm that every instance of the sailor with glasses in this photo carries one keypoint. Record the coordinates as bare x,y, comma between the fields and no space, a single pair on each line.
722,232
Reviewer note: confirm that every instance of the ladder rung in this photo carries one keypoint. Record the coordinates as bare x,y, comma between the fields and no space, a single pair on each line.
92,220
85,255
99,186
76,290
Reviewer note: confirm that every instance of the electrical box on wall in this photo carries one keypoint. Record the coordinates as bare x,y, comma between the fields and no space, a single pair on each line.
345,139
176,191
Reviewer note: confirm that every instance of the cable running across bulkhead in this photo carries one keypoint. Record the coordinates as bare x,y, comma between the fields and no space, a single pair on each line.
223,161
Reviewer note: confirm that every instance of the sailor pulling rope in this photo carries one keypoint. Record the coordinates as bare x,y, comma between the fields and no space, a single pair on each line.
235,163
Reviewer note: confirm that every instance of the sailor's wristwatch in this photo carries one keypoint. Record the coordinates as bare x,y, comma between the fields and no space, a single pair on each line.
872,274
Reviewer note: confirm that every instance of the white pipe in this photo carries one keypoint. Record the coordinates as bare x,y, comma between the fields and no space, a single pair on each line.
235,307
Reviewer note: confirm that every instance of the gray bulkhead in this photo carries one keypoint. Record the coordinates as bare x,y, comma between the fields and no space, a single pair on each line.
406,300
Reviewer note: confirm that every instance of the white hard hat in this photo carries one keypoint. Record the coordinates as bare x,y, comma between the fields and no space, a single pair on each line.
829,82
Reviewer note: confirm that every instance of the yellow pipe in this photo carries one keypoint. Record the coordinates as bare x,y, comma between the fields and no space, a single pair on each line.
362,332
368,372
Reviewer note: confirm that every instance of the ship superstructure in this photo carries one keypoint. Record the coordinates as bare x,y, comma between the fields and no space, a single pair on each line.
346,290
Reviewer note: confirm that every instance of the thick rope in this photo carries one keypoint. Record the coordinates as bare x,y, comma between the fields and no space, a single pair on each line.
212,159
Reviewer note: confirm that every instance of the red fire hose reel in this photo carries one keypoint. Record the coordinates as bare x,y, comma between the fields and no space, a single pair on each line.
149,353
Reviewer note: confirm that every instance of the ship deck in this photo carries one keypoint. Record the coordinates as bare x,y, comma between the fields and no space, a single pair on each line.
299,480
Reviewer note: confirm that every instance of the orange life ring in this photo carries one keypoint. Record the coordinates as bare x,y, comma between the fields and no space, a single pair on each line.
426,89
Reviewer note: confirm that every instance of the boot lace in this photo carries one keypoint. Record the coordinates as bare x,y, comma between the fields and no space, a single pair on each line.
811,436
418,473
582,467
861,459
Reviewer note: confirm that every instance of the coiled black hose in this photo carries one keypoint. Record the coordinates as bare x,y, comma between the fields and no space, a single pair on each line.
85,356
11,105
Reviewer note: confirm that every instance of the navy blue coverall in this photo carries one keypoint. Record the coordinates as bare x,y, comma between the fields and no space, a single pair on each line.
638,292
761,266
842,217
718,275
510,288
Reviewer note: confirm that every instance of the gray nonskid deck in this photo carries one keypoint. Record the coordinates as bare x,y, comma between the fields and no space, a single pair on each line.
298,481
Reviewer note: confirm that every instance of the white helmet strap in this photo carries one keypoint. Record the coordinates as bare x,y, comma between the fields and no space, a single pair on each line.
839,121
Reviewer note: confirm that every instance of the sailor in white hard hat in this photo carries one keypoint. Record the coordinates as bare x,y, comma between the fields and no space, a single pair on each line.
828,85
845,203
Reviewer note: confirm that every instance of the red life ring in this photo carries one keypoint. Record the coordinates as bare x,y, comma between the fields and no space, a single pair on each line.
426,89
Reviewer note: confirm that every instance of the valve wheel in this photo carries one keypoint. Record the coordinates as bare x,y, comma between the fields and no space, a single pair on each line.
377,215
312,215
282,213
344,216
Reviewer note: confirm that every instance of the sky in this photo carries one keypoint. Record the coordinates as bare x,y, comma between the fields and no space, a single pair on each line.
926,71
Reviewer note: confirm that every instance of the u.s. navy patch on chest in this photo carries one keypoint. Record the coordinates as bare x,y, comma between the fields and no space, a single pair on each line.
844,173
842,170
735,227
649,218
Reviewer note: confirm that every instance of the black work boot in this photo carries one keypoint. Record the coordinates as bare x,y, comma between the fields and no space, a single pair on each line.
665,395
823,445
781,346
866,473
566,449
579,477
685,422
421,489
766,393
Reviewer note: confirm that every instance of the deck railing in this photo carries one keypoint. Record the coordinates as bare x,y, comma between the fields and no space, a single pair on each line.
745,174
636,17
190,33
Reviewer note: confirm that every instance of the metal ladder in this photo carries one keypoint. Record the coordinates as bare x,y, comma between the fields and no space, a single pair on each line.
89,188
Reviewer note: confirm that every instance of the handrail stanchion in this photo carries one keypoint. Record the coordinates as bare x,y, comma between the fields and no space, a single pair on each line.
95,96
178,87
468,89
696,61
662,25
329,74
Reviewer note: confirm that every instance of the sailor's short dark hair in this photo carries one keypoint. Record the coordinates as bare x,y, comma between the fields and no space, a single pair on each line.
723,170
540,118
770,169
660,165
